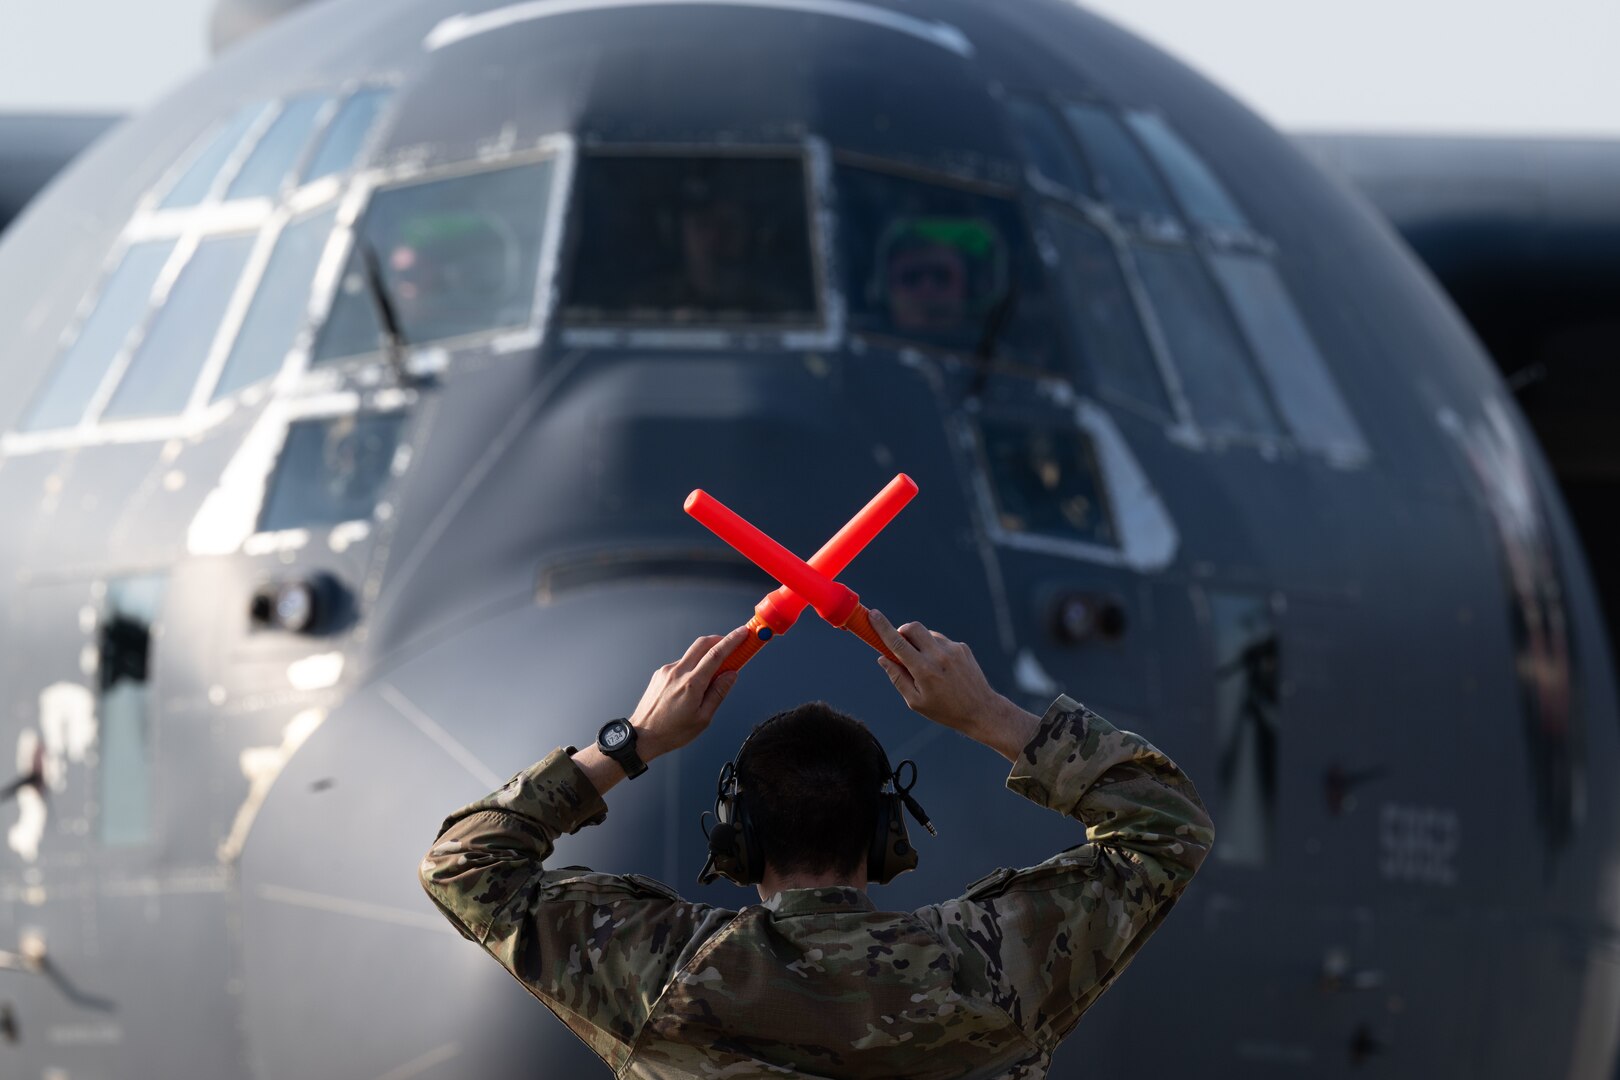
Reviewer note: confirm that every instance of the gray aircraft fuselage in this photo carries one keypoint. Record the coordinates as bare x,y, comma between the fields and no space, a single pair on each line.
1198,443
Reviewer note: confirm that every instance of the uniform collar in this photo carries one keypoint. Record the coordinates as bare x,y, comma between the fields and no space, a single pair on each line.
819,901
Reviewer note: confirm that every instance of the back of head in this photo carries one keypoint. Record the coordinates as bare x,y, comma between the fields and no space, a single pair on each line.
810,778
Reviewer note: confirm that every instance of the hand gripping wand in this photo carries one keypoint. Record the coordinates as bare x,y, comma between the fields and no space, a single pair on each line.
804,584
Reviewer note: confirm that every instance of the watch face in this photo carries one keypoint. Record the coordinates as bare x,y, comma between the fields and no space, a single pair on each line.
616,735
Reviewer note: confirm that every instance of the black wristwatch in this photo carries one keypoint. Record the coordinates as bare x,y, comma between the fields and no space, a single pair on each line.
617,740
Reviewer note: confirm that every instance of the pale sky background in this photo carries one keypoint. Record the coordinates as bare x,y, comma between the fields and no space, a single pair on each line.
1475,66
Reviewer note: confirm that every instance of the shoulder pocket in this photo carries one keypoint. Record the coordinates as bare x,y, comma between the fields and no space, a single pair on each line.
1081,859
991,884
579,883
651,887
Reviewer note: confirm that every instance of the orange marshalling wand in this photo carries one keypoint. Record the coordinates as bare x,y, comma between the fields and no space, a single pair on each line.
804,584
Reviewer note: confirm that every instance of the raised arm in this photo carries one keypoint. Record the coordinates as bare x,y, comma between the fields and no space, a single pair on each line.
595,948
1047,940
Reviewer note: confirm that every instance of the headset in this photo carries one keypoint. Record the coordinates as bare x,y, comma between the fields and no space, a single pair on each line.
734,848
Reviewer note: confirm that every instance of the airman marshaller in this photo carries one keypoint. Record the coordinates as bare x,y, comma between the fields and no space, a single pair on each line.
815,981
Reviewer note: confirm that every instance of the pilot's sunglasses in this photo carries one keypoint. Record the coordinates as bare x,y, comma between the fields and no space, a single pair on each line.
913,277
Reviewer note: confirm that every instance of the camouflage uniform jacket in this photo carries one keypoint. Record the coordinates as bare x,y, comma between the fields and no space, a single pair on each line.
817,982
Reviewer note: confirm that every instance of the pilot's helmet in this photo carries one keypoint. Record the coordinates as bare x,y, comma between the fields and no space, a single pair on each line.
939,276
451,267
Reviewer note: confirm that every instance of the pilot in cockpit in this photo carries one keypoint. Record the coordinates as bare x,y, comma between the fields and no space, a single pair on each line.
454,273
939,276
723,258
715,247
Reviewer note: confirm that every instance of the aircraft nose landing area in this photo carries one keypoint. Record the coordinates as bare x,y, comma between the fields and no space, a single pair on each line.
354,392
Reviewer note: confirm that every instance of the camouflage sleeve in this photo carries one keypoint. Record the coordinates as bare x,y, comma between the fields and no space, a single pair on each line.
1044,942
597,949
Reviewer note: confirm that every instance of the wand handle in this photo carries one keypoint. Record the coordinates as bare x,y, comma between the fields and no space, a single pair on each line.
758,635
860,624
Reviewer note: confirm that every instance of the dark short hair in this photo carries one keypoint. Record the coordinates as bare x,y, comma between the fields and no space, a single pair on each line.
810,778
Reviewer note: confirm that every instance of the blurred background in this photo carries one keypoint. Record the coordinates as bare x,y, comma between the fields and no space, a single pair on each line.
1456,66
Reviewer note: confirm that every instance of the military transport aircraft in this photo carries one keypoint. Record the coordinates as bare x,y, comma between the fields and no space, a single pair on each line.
353,392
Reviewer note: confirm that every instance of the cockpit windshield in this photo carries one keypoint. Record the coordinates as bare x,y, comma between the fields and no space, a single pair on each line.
677,240
459,256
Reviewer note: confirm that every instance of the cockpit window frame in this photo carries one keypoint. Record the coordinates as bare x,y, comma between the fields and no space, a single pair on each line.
186,228
1245,239
235,525
1144,539
971,185
561,150
117,377
1132,231
168,271
229,166
1088,460
826,331
1240,349
1180,416
206,392
319,120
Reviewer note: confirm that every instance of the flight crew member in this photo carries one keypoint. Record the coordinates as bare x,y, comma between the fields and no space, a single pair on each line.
815,981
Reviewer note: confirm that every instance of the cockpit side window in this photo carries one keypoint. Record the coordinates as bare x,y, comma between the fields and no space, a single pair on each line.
1203,196
344,137
1300,381
1219,376
331,471
1048,149
458,256
124,301
1046,481
1104,317
938,265
687,240
1125,177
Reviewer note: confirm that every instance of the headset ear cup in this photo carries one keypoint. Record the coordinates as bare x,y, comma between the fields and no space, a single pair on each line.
723,849
734,849
892,853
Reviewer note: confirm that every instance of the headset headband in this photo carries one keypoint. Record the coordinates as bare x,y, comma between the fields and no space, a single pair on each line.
890,776
730,812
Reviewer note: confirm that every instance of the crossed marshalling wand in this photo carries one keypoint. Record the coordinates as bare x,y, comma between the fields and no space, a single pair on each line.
804,584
